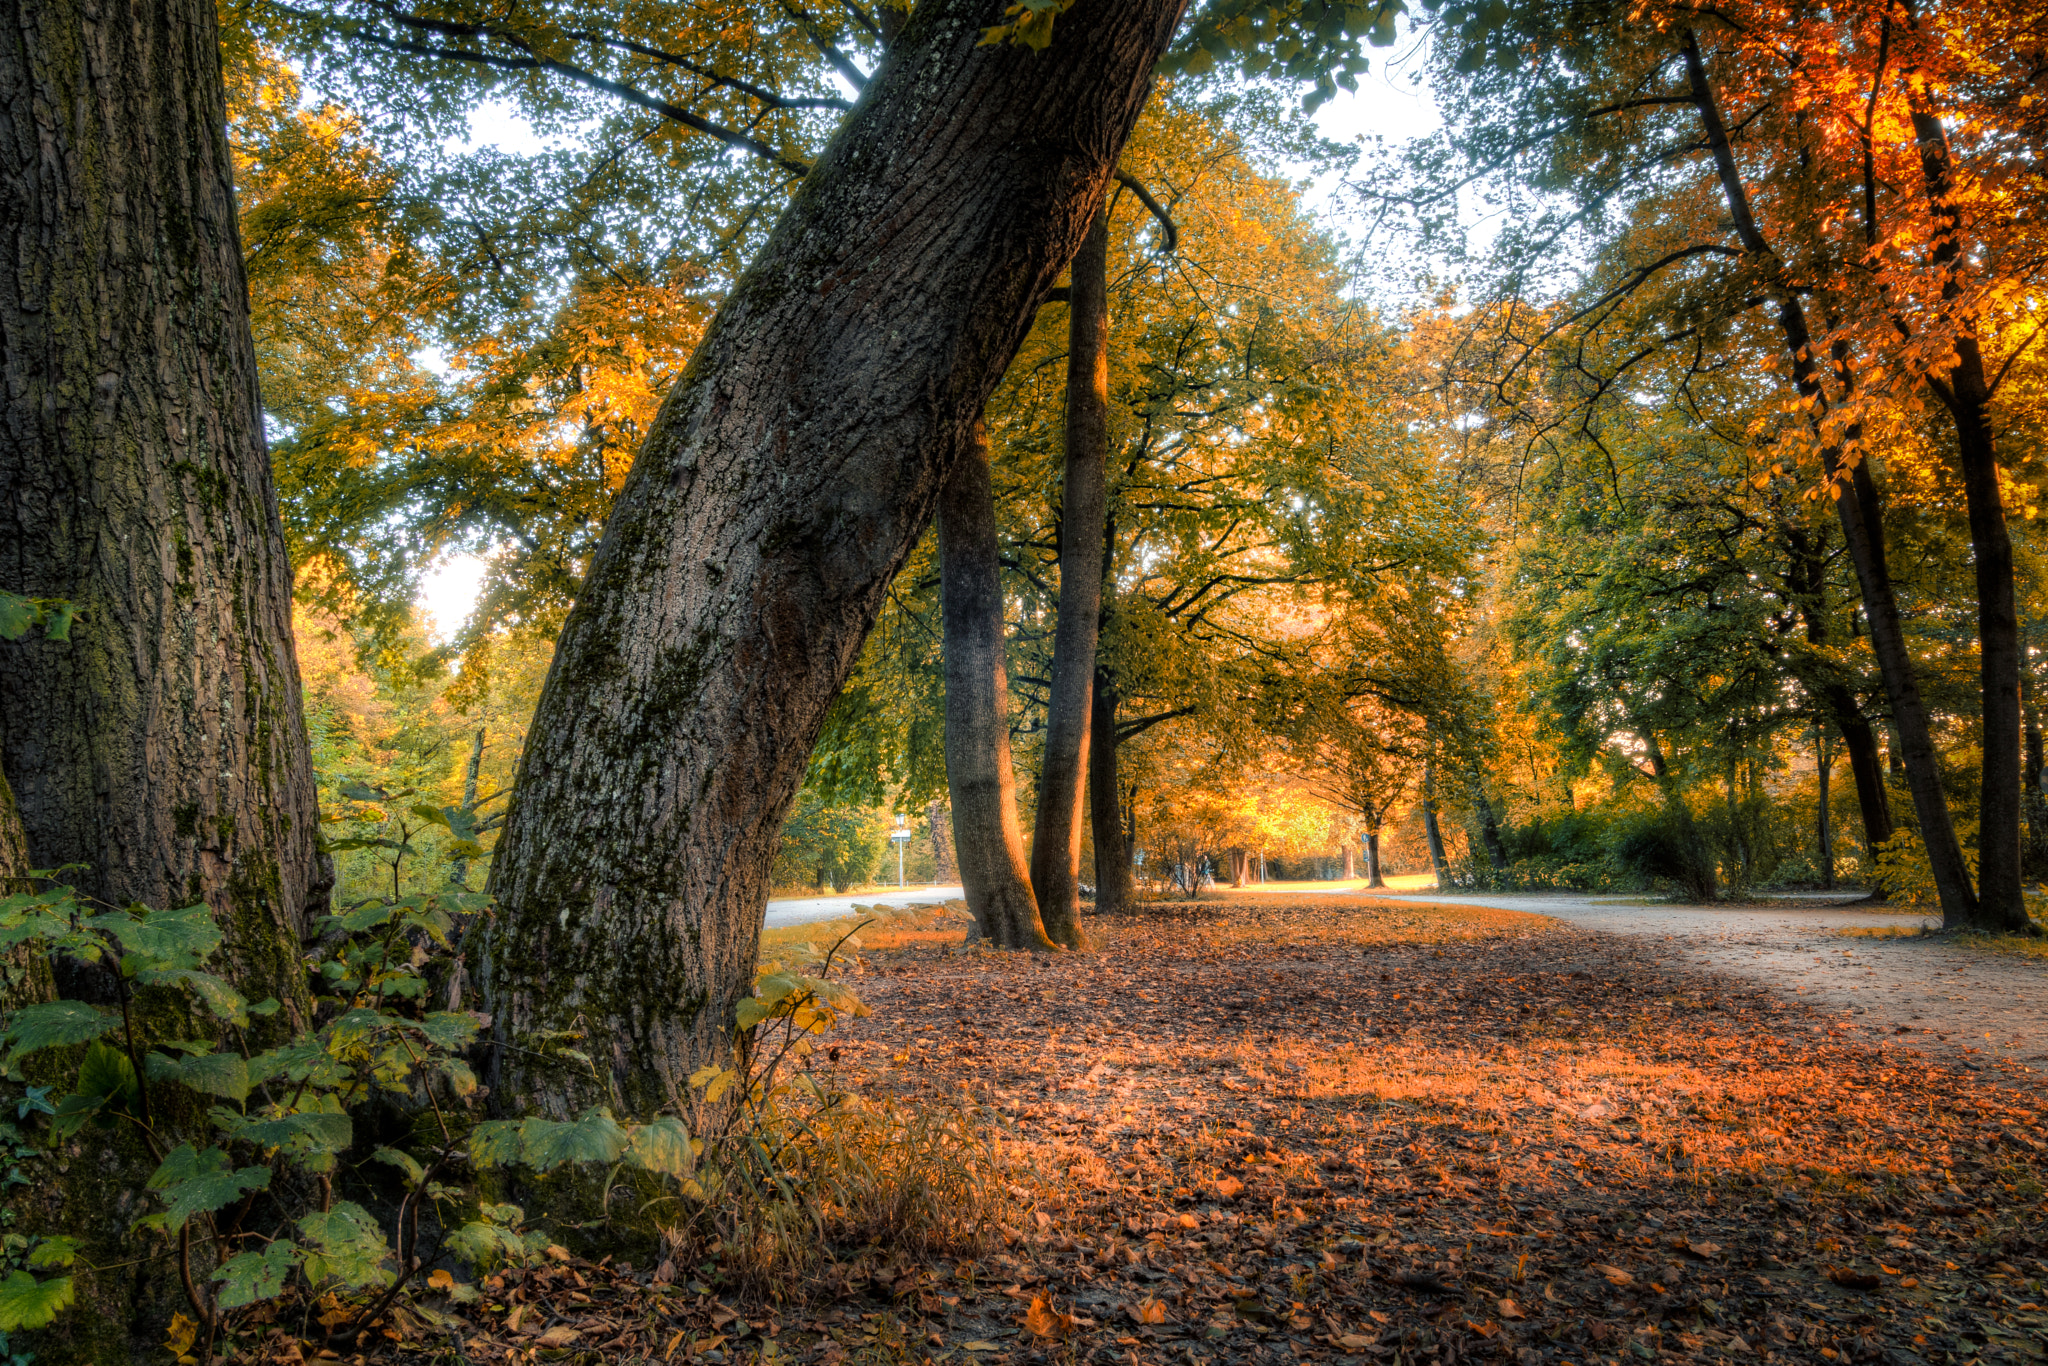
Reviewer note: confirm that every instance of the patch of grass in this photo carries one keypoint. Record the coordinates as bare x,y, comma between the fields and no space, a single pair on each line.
2010,945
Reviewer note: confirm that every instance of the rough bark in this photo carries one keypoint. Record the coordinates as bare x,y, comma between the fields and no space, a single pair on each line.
1433,835
789,473
1105,814
1967,394
164,744
1372,859
1858,509
1063,765
989,841
944,866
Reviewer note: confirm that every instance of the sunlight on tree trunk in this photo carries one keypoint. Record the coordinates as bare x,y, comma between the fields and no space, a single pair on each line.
988,840
1063,765
1106,824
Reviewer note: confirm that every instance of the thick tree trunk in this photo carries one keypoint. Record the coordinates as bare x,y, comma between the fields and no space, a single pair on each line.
1967,393
1858,509
790,471
1063,768
1372,859
163,745
989,840
944,866
1112,852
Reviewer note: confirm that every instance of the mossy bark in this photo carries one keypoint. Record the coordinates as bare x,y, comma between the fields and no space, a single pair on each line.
162,748
791,470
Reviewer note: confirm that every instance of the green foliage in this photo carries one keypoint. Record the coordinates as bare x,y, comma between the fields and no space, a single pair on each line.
825,845
20,615
26,1302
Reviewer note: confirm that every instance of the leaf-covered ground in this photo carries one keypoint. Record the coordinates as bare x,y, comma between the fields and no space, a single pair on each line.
1315,1129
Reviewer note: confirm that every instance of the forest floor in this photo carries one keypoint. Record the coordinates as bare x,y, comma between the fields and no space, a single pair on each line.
1301,1128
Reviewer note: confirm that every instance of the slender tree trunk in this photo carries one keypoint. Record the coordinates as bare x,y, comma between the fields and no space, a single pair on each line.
1063,771
163,746
458,869
2036,865
1112,854
1858,509
1433,835
1372,859
1489,827
1967,394
1824,764
791,470
1735,834
943,863
989,841
1350,860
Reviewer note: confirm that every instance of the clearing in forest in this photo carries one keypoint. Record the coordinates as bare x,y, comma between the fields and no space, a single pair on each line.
1308,1128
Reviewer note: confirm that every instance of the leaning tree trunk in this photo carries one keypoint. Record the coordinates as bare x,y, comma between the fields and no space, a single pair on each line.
1063,768
162,746
791,469
1105,792
988,841
1858,509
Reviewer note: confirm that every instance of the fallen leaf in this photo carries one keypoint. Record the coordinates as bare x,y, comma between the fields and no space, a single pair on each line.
557,1254
1148,1311
1485,1330
1229,1188
561,1335
1042,1320
1614,1274
1704,1251
1354,1342
979,1346
1510,1310
440,1280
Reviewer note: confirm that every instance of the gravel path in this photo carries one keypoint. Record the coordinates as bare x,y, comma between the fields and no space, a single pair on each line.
1929,994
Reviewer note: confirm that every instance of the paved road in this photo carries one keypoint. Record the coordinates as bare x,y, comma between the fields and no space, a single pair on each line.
1944,997
804,910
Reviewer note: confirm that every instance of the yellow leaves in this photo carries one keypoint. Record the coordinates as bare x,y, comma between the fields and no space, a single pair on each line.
184,1332
1029,24
441,1281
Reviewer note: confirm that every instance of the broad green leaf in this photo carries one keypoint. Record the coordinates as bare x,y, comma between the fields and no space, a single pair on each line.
269,1005
351,1248
358,791
215,1074
17,615
26,1302
54,1252
198,1181
106,1075
461,1080
405,1162
483,1244
300,1136
595,1137
253,1276
215,994
53,1025
496,1143
164,940
433,814
662,1145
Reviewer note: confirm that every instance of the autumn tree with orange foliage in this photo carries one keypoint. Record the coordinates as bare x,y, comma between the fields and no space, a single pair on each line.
1847,193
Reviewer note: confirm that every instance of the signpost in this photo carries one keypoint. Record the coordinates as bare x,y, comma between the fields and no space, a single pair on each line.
901,836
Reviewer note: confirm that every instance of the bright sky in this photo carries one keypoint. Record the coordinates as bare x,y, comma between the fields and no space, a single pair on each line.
1388,104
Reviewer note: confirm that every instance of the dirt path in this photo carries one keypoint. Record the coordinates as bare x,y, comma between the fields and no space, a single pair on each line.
1933,995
